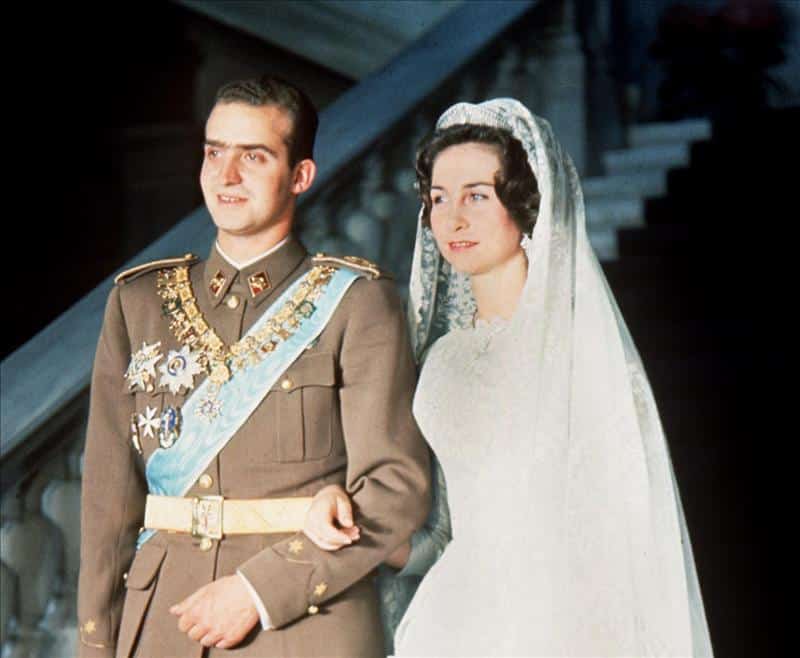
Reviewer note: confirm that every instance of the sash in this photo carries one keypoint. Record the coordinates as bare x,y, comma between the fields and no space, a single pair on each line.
173,471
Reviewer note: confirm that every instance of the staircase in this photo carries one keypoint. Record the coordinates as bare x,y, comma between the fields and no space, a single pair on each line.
617,199
701,286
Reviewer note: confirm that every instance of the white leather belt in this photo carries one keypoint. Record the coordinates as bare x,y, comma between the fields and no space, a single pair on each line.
215,516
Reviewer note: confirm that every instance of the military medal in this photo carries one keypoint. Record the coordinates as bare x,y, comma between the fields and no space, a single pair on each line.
149,422
202,347
179,369
137,443
169,427
209,409
141,371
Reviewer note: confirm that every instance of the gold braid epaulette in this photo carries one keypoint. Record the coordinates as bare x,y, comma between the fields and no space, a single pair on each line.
133,272
353,262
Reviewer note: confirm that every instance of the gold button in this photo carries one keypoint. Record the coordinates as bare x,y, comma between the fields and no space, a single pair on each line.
205,481
312,609
286,384
232,302
206,544
125,576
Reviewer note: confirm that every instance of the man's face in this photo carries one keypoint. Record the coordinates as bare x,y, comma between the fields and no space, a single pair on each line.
247,182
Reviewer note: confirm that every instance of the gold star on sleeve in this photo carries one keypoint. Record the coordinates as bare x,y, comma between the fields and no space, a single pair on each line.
89,627
295,546
320,589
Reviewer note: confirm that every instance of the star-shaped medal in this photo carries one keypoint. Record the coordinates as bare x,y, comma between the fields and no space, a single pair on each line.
179,369
149,422
142,368
209,409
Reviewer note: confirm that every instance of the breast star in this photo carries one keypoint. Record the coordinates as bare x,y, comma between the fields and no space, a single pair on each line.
295,546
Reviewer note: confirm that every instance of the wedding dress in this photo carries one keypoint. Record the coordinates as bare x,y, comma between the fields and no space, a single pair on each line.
568,537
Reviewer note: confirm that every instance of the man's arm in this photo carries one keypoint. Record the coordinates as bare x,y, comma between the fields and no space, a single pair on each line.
114,490
387,472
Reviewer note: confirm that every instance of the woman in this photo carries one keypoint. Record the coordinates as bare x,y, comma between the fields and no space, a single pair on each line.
568,533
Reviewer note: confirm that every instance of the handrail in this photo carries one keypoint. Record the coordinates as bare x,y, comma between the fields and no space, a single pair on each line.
43,376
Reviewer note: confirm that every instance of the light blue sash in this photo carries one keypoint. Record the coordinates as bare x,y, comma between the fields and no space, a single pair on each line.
173,471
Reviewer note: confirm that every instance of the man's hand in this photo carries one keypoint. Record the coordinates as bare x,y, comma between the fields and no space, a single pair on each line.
329,522
219,614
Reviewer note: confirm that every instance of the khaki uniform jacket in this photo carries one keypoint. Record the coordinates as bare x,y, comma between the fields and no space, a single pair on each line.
343,417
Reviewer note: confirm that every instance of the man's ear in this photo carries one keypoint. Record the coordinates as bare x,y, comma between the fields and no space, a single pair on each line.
304,173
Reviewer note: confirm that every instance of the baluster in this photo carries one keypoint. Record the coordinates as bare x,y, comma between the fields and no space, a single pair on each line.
8,605
33,548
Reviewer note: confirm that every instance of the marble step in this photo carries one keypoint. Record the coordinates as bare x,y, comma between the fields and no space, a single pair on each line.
604,242
637,185
616,213
690,130
646,158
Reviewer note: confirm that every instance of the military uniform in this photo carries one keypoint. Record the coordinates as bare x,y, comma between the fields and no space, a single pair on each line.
341,413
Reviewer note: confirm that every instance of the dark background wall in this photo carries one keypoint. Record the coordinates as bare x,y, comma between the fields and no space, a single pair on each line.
110,105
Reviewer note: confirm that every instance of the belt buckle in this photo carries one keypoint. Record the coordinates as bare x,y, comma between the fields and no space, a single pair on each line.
207,517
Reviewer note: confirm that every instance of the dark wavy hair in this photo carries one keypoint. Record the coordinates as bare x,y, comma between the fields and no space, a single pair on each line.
272,90
514,184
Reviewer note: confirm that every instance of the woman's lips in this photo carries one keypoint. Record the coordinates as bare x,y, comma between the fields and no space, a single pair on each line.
461,245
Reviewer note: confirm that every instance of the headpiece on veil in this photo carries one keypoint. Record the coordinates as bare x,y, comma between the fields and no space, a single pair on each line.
607,481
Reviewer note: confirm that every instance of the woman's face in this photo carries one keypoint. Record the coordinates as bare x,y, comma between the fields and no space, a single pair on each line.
472,228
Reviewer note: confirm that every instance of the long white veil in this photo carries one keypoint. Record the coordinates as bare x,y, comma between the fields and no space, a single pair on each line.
616,549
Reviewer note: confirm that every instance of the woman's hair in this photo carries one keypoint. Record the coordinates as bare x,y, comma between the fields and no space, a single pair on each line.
514,184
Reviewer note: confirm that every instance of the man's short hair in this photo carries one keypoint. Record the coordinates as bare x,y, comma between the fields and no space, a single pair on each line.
271,90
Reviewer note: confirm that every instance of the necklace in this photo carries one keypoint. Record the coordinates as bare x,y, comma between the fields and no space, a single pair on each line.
222,361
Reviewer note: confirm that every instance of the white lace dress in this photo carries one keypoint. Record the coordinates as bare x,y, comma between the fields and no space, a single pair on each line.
568,537
476,598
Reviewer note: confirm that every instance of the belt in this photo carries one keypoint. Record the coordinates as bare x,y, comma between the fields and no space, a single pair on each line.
215,516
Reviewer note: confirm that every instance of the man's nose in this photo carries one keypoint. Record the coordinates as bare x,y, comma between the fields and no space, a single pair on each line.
230,171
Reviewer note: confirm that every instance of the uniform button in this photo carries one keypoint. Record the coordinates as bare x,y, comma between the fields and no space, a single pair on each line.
125,576
232,302
205,481
312,609
286,384
206,544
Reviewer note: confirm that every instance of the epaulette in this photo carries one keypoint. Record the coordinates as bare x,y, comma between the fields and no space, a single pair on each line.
138,270
353,262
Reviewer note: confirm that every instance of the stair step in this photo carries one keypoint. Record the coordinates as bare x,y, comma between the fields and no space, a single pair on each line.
614,212
638,185
659,133
604,242
645,158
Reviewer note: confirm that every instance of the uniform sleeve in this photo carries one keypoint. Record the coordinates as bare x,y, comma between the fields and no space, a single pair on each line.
387,471
113,492
428,543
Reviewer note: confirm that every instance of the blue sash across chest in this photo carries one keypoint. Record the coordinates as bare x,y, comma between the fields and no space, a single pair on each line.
173,471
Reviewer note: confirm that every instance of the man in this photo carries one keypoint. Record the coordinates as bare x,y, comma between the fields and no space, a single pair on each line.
227,393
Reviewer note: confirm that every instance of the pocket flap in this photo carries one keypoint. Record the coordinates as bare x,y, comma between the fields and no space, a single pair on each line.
145,566
309,370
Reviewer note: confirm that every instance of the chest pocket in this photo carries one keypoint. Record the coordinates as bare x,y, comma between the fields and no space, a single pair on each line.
305,396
